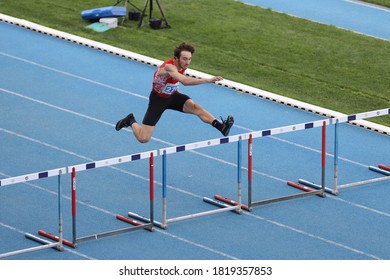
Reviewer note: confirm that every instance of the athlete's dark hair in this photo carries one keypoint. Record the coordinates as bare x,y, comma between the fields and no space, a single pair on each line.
183,47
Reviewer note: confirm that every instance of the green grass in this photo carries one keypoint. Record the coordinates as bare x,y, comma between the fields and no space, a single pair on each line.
307,61
384,3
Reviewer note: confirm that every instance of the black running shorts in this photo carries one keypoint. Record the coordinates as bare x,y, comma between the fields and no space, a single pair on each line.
157,106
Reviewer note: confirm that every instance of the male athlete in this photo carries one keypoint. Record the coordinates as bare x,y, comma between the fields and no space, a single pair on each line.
165,95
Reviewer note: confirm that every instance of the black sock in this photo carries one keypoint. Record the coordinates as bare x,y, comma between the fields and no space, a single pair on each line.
217,124
132,122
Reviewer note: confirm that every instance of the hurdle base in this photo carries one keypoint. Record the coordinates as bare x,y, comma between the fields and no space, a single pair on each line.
57,246
380,170
45,245
132,222
144,219
224,208
111,233
56,238
231,202
385,167
303,188
315,186
222,204
287,197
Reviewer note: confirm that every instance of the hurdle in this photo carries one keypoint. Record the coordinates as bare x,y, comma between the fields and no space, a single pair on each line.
307,191
197,145
36,176
107,163
279,130
349,119
192,146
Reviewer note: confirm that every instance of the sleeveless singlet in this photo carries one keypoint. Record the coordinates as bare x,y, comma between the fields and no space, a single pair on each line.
165,86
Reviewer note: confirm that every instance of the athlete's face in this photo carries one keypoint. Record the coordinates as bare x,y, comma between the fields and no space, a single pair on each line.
184,60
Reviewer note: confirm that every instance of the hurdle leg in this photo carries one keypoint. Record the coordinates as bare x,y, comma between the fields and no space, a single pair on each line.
323,190
73,190
308,192
60,229
336,159
47,244
237,203
250,168
149,221
164,190
151,189
59,238
323,161
239,175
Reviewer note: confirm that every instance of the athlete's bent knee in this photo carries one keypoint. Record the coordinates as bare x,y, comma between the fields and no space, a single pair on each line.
143,139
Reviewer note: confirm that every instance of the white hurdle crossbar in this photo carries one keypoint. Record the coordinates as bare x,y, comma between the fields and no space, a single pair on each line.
36,176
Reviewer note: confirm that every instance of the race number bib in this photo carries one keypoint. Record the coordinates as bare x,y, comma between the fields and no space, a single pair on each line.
170,88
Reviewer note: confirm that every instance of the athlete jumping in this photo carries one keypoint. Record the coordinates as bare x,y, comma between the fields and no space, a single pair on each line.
165,95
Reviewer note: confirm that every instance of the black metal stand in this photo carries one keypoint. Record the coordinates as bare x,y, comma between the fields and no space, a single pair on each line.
125,4
158,26
127,1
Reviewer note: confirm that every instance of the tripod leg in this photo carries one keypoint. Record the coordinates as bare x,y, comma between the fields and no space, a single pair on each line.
123,19
143,14
162,13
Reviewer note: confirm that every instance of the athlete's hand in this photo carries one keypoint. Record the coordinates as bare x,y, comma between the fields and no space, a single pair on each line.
215,79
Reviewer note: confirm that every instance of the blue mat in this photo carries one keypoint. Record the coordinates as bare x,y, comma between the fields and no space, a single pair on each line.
111,11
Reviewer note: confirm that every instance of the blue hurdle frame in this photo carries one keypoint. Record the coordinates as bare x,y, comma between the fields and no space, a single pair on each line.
36,176
193,146
135,225
106,163
349,119
308,192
